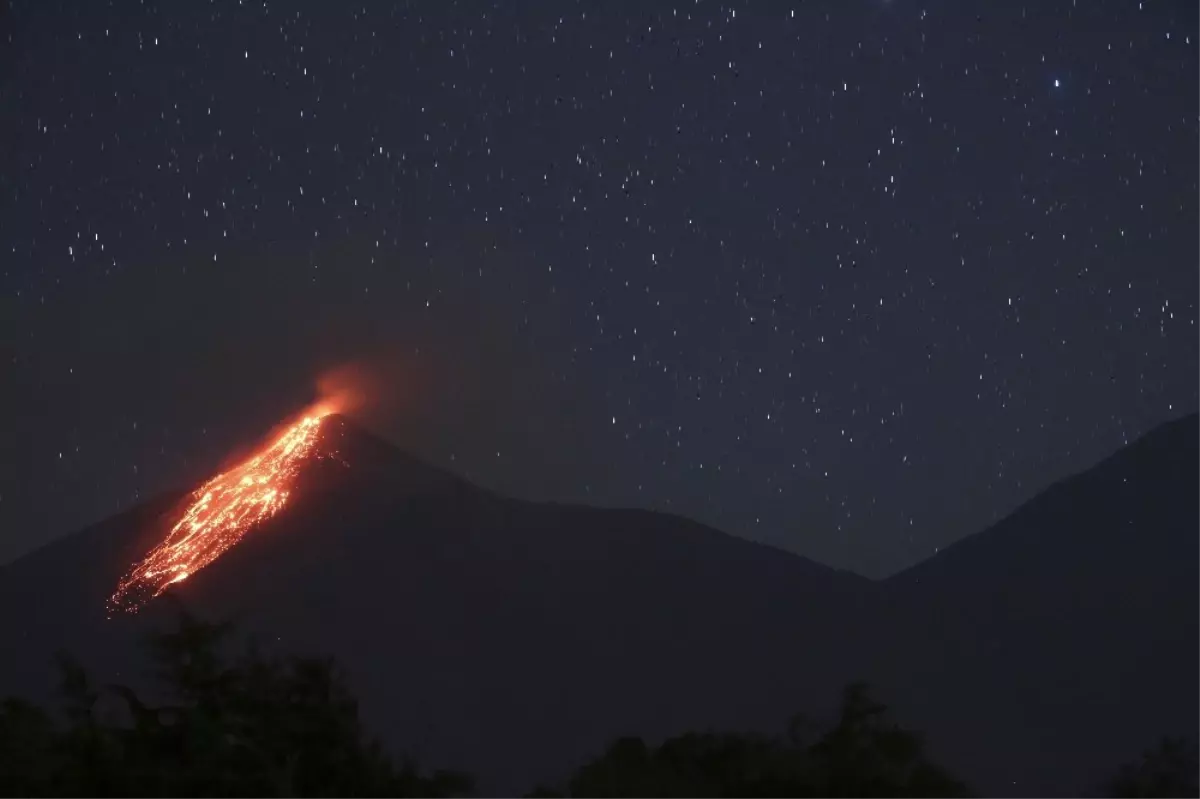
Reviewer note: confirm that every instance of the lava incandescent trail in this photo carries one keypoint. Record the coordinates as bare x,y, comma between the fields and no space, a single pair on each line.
221,512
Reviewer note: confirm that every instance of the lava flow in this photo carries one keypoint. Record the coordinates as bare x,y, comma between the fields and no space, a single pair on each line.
220,514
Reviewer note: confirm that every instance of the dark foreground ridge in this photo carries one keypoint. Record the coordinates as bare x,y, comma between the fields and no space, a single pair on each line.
517,641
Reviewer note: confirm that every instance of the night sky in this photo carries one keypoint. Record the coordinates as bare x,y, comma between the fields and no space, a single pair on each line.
849,278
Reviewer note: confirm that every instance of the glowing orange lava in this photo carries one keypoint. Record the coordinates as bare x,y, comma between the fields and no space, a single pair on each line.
221,512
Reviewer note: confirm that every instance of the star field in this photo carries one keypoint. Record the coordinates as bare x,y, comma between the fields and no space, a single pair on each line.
853,279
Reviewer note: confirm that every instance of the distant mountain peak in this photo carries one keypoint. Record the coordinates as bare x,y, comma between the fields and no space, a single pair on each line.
1071,522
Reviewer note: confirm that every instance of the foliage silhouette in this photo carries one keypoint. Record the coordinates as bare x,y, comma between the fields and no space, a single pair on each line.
268,726
256,726
861,755
1172,769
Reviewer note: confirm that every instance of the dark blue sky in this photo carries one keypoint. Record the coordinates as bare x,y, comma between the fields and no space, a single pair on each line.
851,278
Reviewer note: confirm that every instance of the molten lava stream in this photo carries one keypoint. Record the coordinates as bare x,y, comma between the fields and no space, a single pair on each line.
221,513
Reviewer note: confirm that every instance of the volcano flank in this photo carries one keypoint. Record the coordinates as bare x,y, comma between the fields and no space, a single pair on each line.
516,639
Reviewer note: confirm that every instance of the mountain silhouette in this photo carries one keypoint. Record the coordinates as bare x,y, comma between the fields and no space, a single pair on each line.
517,639
1070,625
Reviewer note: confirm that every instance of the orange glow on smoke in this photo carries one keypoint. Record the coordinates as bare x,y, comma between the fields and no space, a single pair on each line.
222,511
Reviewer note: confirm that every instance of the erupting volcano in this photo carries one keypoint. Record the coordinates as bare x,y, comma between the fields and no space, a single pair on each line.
221,512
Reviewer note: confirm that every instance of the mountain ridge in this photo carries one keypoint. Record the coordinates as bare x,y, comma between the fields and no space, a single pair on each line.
1162,443
456,611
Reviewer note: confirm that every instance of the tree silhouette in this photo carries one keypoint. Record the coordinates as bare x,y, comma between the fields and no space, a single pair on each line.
269,726
1172,769
861,755
255,727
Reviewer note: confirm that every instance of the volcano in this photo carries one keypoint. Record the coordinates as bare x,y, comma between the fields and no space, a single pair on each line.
516,639
221,512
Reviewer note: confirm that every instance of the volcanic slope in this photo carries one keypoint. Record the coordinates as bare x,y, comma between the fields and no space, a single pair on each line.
515,639
511,638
